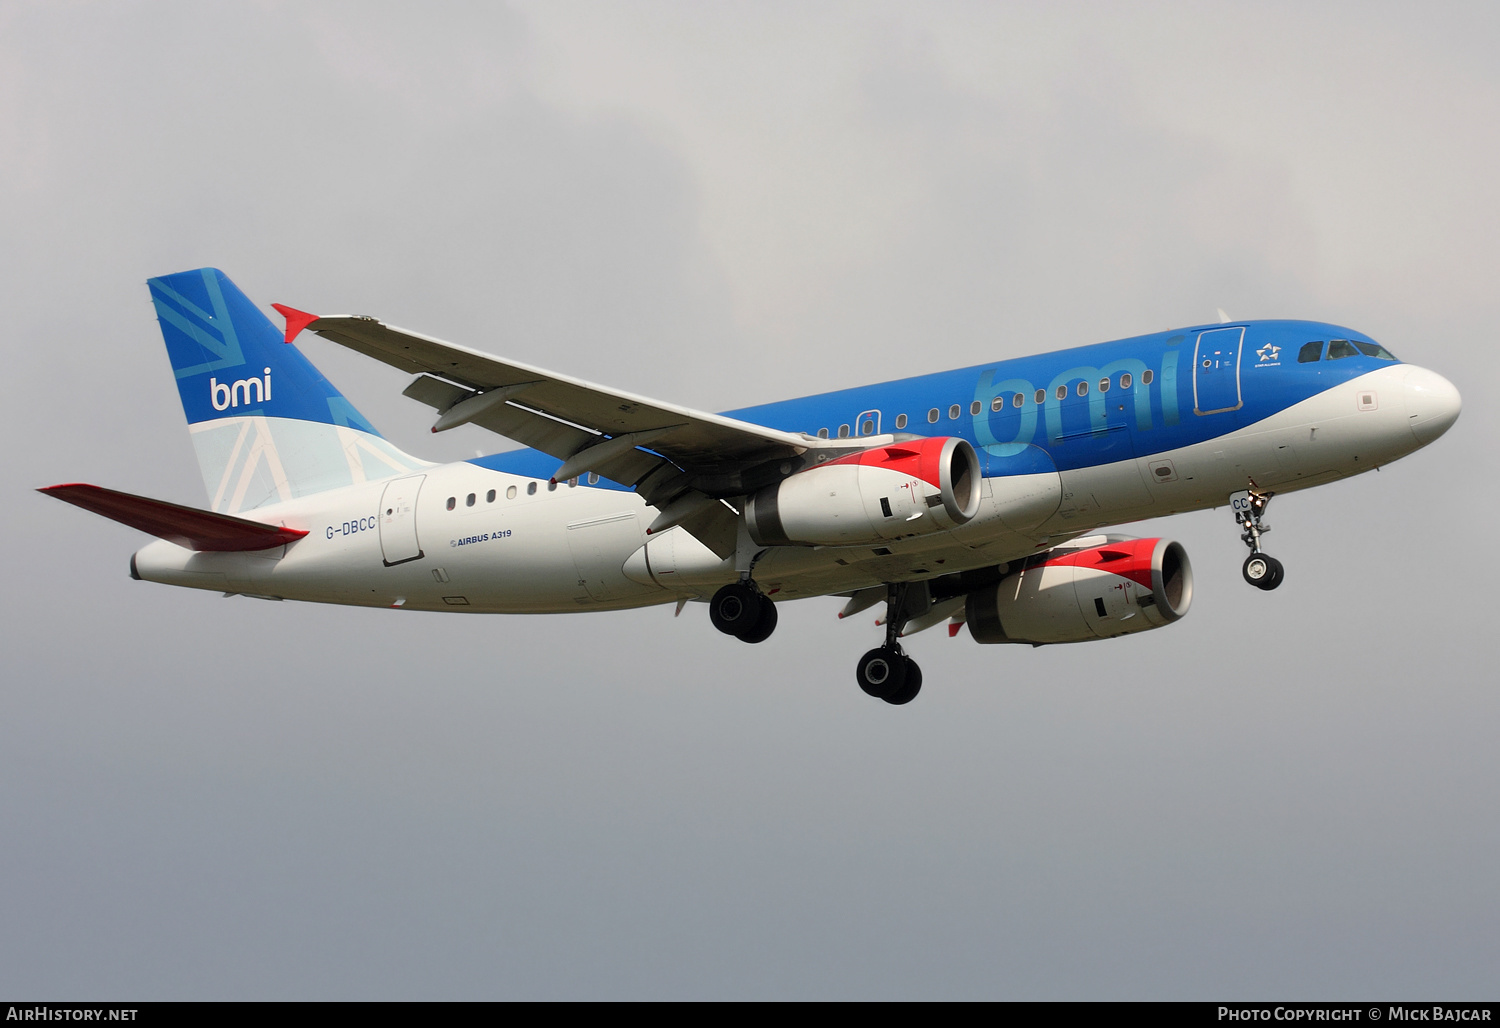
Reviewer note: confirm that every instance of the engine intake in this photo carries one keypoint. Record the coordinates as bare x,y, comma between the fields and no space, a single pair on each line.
1096,592
883,493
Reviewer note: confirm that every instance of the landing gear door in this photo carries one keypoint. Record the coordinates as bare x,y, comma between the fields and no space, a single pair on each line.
1216,370
398,521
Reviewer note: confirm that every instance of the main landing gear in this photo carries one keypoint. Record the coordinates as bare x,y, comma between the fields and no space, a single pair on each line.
740,609
886,672
1260,570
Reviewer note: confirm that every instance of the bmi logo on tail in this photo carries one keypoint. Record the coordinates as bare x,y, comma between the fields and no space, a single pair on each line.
225,396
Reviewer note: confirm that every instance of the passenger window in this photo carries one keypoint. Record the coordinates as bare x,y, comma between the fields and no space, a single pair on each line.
975,408
900,420
1146,377
489,497
510,494
1104,385
572,483
822,433
552,486
452,502
843,431
1310,352
953,412
1375,350
1017,400
1083,388
1338,349
867,428
593,478
1041,397
530,488
469,501
1062,392
1126,380
932,415
998,403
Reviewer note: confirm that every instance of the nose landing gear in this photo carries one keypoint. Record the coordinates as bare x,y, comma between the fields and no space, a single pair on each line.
1260,570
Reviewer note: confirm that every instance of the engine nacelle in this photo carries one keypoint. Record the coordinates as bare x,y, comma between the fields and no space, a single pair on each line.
1094,592
879,494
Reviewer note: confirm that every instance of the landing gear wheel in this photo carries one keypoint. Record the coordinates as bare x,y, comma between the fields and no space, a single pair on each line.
764,625
907,692
1256,569
1262,571
735,609
882,672
739,609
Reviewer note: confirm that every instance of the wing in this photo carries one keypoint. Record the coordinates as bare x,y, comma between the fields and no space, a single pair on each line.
682,461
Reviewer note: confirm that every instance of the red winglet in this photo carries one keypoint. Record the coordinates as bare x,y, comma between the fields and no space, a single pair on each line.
296,320
186,526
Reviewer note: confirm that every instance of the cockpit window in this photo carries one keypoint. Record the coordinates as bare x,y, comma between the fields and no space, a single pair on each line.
1310,352
1341,348
1375,350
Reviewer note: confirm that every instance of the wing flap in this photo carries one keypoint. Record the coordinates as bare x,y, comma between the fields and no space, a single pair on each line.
186,526
436,393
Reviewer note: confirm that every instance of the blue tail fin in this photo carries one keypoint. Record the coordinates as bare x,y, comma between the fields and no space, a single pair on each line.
267,426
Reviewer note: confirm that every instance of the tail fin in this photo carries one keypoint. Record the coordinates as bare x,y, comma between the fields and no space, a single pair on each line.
266,425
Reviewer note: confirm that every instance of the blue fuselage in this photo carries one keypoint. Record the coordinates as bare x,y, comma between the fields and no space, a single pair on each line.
1082,407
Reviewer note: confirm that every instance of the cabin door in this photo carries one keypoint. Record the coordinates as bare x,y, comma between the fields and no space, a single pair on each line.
1216,370
398,521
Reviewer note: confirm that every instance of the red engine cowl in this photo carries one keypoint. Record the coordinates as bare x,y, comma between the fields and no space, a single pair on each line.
1128,585
883,493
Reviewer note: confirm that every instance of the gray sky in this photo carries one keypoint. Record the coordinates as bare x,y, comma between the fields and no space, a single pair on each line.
1284,795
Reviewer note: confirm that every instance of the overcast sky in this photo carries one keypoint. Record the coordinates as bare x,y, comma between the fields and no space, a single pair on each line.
1285,795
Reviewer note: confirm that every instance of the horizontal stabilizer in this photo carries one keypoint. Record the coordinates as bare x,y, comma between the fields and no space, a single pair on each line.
185,526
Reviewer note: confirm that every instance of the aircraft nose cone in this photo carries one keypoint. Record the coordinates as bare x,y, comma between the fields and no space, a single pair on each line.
1432,404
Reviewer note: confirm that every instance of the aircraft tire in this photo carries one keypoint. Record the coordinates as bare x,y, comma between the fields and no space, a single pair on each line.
882,672
1257,570
1277,573
735,609
764,625
907,692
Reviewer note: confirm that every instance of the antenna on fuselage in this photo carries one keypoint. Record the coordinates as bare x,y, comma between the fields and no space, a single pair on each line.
1224,319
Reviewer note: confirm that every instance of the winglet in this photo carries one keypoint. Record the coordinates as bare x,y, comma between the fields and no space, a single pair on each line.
296,320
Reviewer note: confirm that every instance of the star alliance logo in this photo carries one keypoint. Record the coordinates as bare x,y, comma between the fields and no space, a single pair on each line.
1268,355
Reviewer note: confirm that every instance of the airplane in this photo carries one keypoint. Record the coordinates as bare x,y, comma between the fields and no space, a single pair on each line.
974,497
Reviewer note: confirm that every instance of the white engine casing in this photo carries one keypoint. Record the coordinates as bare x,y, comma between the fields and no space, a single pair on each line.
1075,595
883,493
